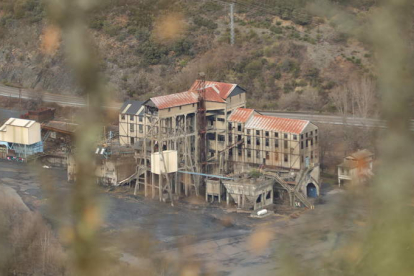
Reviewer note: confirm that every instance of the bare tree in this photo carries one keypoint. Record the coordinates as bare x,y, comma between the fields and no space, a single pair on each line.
362,91
340,97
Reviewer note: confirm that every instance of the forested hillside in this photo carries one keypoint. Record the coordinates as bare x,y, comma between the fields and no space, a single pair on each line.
288,54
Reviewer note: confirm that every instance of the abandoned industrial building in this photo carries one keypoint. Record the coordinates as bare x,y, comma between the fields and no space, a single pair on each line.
205,140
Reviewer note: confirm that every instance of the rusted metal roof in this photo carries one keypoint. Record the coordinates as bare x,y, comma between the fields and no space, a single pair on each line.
177,99
361,154
221,88
211,95
241,115
276,124
184,98
61,127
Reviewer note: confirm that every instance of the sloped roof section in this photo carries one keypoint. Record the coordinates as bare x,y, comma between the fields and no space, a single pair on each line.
222,89
131,107
18,122
276,124
241,115
361,154
177,99
211,95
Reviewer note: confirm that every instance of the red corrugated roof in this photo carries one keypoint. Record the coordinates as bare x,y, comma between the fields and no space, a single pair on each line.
276,124
221,88
241,115
177,99
211,95
183,98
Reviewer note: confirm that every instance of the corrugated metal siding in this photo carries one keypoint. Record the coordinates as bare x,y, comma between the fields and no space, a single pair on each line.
276,124
240,115
212,96
176,99
224,89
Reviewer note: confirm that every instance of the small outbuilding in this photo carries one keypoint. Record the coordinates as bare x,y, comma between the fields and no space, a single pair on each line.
356,167
20,137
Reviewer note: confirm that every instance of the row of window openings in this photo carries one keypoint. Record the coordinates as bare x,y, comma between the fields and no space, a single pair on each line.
131,118
285,156
276,134
285,142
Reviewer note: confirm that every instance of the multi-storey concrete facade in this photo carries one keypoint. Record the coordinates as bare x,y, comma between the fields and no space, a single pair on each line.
237,139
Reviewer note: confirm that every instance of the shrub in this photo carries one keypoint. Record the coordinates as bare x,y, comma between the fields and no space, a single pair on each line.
254,68
204,22
276,30
111,30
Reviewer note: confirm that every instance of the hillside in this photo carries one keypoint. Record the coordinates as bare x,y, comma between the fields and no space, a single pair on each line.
286,57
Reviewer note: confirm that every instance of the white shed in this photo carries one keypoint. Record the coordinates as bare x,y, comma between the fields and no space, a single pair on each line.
20,131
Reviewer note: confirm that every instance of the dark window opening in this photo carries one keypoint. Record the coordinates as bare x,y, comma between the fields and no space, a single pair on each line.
141,119
132,140
267,142
295,137
311,142
285,136
211,136
307,143
316,139
248,140
276,134
286,158
259,199
267,133
257,141
276,143
285,144
122,117
221,138
131,117
249,153
301,145
258,132
268,195
239,127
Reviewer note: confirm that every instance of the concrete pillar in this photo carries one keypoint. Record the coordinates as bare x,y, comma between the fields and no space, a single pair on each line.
227,198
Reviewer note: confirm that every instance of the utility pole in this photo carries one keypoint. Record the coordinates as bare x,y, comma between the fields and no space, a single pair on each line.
232,24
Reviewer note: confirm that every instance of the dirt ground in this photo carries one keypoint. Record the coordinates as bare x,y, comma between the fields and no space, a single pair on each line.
222,243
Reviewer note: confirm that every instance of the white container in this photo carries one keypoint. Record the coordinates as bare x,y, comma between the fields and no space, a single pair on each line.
262,212
20,131
168,165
